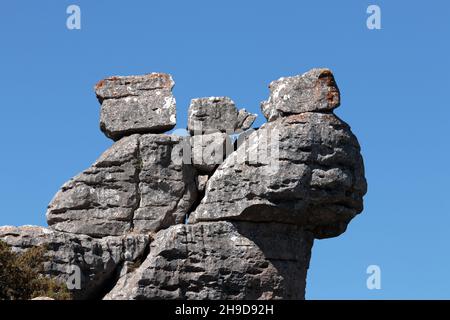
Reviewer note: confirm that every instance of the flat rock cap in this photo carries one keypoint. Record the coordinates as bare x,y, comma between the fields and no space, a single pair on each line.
313,91
123,86
136,104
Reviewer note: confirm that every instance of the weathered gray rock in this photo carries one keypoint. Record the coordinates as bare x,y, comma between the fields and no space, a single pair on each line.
167,186
134,185
101,200
221,260
315,90
304,169
209,151
136,104
99,260
212,114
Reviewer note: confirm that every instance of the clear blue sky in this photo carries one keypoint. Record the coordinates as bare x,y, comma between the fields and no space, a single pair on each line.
395,94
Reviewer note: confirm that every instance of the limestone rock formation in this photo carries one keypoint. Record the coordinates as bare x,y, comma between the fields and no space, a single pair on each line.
213,114
101,200
209,151
134,185
136,104
159,216
167,187
99,260
304,169
222,260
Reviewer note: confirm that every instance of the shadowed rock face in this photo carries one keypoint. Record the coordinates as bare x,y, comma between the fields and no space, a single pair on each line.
222,260
164,217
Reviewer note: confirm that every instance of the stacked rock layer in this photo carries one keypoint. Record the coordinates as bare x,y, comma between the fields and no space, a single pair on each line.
160,216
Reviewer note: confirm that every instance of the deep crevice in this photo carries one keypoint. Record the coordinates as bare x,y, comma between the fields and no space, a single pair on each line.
137,182
198,200
114,278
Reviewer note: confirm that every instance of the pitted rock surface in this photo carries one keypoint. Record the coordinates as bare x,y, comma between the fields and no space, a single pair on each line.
304,169
134,185
99,260
221,260
136,104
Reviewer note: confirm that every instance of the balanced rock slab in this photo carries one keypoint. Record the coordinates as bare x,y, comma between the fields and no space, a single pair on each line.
221,260
304,169
217,114
136,104
315,90
134,185
99,260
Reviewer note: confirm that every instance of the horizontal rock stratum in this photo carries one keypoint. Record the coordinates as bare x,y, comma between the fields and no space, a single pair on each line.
160,216
136,104
134,185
